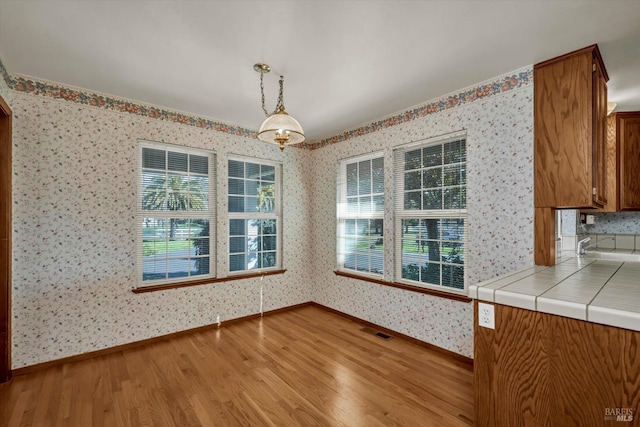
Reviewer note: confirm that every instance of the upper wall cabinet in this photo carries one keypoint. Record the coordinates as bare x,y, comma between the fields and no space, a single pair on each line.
628,145
570,112
623,162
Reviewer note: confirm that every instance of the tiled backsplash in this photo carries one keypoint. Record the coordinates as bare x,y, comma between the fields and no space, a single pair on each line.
615,241
603,241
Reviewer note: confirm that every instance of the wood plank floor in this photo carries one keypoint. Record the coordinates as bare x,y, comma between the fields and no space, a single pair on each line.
303,367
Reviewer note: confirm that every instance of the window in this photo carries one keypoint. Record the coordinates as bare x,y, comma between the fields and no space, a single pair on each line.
176,218
361,214
254,215
431,213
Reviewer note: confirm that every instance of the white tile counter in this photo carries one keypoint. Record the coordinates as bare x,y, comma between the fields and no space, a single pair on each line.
595,290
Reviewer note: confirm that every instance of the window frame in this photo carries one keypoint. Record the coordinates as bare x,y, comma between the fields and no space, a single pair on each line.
400,213
342,212
276,214
210,213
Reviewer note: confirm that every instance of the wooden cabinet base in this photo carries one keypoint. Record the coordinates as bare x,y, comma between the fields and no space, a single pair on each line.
544,238
536,369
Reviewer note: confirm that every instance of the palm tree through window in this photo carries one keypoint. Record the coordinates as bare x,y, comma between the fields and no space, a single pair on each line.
174,214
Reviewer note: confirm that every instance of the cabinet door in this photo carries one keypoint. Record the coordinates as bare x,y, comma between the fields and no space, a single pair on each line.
629,158
599,135
538,369
563,132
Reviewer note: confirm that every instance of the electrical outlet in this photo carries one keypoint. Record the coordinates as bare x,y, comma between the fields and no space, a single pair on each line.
486,315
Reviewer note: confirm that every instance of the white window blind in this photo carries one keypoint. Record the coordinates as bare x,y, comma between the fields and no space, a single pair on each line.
175,214
255,218
431,213
360,214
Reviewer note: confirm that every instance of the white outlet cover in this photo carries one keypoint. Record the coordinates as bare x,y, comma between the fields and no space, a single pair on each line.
486,315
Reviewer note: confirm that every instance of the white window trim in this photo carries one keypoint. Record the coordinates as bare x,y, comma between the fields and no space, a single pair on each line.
342,214
400,213
276,214
141,214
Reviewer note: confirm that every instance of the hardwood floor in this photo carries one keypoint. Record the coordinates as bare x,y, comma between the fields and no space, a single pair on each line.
303,367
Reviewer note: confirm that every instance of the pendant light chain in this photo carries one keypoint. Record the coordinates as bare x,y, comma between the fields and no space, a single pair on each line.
266,113
280,103
279,128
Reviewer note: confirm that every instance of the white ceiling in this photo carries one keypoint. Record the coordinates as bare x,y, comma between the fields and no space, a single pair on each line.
345,62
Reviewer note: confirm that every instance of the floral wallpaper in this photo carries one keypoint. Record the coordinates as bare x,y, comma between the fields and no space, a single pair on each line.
605,223
74,218
569,221
74,232
615,223
500,212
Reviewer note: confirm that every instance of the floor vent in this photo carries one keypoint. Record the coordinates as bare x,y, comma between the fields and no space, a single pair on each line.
376,333
383,336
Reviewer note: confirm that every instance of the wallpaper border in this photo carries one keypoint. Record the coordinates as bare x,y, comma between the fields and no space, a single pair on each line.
76,95
495,86
4,73
501,84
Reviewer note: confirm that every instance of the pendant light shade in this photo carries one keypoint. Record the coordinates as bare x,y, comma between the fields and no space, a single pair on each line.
279,128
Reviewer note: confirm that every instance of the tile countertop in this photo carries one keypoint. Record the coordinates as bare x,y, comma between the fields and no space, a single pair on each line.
595,290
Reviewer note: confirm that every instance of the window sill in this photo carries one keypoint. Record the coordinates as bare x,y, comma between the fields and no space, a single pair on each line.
208,281
433,292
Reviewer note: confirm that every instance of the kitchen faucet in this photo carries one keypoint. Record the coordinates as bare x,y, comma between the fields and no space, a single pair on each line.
581,248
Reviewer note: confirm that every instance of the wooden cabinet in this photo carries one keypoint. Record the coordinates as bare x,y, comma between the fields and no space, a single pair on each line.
570,152
599,141
570,102
537,369
628,145
623,162
612,168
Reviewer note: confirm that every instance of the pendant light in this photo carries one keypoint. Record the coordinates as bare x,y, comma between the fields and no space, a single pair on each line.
279,128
